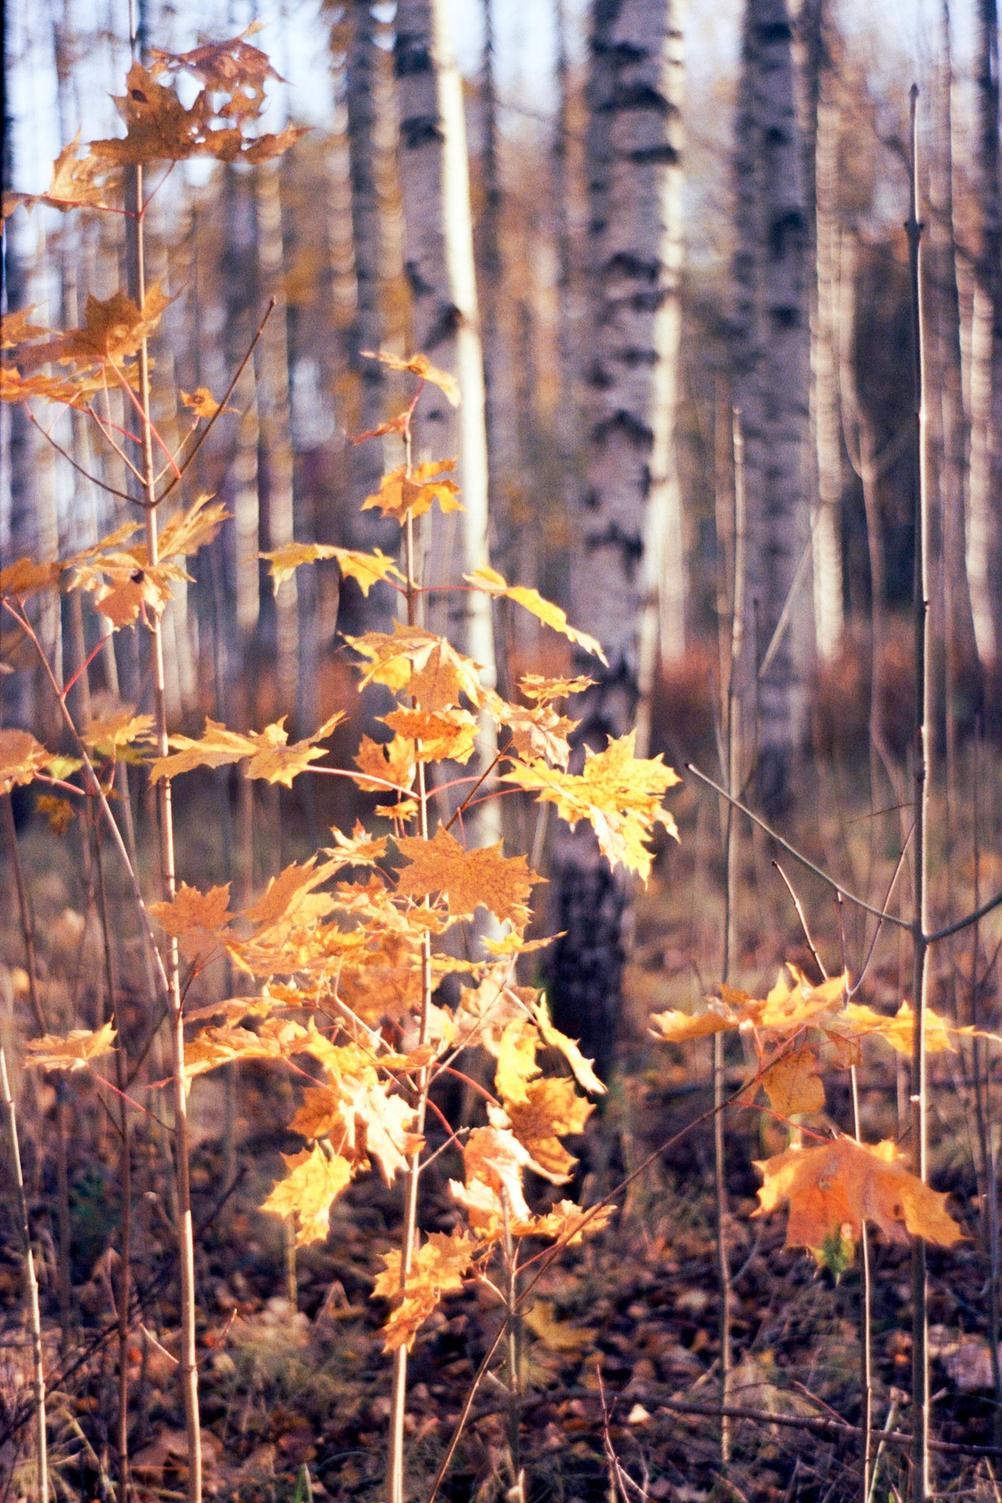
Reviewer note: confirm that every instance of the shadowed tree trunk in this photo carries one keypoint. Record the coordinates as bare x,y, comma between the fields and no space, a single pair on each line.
772,361
636,251
984,554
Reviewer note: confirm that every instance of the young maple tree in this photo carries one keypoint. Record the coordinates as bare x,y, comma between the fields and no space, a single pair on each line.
348,949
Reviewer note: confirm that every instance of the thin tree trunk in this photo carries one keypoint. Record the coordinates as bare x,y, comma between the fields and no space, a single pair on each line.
984,543
635,212
272,373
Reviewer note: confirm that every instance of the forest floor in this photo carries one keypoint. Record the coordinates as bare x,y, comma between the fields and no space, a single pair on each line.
618,1355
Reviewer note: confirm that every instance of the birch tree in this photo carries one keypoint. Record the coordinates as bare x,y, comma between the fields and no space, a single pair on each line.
771,344
984,556
821,162
628,513
445,324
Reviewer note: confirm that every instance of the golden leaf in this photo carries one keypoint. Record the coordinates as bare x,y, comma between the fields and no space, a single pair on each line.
566,1222
438,1267
558,1335
404,658
271,757
469,879
420,366
366,569
618,794
551,615
390,762
545,690
22,758
314,1181
552,1109
117,729
25,577
190,530
516,1060
582,1069
537,731
58,811
201,402
196,919
71,1051
793,1084
834,1188
439,736
404,494
859,1021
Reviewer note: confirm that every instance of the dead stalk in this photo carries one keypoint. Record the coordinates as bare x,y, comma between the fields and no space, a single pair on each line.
31,1282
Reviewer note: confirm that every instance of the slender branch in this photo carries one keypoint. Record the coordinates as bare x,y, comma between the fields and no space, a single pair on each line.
888,918
210,424
103,485
966,922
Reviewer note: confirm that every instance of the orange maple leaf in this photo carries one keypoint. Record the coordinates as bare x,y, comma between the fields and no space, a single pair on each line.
834,1188
469,879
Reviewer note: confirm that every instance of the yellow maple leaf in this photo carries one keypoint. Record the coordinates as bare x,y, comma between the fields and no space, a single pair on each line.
22,758
551,615
390,762
58,811
314,1181
559,1335
405,493
420,366
113,328
469,879
201,402
516,1060
581,1068
834,1188
860,1021
270,755
190,530
439,736
675,1027
495,1157
366,569
438,1267
566,1222
618,794
545,690
278,762
551,1110
788,1007
73,1050
116,728
197,920
420,661
793,1084
25,576
537,731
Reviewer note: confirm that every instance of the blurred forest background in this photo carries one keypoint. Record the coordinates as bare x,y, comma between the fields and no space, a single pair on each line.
662,249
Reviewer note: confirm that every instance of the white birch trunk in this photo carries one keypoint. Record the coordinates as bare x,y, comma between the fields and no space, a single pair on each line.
628,522
439,265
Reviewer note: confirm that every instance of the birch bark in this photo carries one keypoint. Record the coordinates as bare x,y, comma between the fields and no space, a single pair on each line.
984,554
628,519
772,359
445,317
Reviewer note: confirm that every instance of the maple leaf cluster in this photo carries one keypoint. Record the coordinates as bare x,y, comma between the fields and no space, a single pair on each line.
832,1188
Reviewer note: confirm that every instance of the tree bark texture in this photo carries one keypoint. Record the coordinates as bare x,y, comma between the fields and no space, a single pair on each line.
984,554
627,521
445,319
771,350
